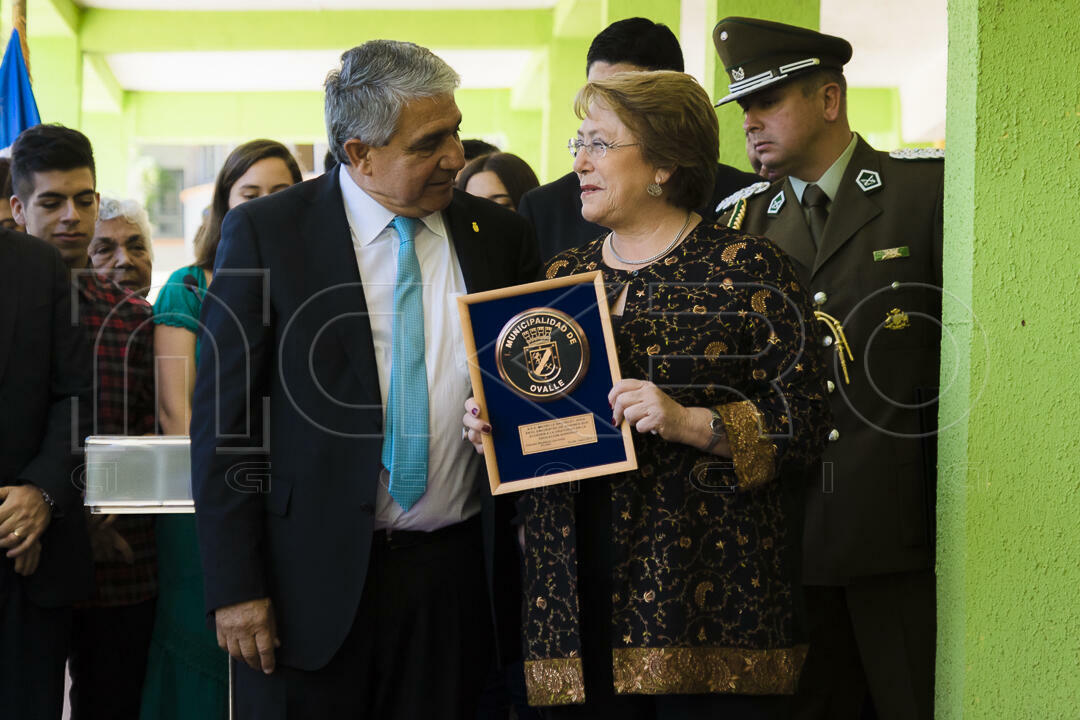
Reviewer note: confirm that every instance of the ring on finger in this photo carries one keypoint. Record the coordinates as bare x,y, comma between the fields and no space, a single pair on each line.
16,532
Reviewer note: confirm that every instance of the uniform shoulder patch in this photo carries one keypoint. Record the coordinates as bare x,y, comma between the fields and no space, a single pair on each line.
748,191
918,154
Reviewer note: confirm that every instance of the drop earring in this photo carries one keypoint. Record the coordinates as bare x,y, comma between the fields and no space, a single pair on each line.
654,189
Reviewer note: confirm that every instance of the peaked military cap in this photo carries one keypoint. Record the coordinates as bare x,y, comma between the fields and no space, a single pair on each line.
759,53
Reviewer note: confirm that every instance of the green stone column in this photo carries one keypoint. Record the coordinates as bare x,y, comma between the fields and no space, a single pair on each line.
1009,450
806,13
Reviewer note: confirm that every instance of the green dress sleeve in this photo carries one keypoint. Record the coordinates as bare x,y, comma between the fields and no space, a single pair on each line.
178,303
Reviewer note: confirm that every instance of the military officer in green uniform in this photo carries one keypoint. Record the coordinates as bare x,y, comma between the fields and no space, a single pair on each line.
863,228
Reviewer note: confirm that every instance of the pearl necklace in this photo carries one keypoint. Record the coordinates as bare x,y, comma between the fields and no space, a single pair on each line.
654,258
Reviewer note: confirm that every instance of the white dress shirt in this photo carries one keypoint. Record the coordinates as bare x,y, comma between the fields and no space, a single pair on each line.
451,494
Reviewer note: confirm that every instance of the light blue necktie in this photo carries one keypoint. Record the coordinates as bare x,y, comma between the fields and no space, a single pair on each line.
405,441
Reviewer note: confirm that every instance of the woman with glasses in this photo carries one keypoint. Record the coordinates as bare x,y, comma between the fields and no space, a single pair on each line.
673,591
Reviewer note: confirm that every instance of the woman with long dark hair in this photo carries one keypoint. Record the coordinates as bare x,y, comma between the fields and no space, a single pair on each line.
187,671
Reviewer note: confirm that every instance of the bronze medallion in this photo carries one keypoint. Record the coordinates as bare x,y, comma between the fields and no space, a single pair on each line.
542,354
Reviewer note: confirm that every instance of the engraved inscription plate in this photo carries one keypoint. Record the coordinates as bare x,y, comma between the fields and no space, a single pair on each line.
557,434
542,354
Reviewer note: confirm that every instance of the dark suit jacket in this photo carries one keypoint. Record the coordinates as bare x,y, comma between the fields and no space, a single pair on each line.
44,364
287,416
870,508
554,209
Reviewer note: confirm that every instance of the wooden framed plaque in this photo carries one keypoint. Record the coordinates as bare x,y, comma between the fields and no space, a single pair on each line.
542,361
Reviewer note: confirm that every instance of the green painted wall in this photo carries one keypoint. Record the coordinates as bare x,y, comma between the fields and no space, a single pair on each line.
56,66
806,13
874,113
1008,500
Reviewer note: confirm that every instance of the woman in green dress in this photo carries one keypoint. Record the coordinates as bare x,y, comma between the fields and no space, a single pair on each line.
187,673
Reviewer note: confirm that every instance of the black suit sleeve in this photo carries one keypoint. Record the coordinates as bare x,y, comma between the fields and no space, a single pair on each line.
229,463
70,413
528,257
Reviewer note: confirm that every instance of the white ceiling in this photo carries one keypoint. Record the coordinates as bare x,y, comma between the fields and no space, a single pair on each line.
252,71
316,4
897,43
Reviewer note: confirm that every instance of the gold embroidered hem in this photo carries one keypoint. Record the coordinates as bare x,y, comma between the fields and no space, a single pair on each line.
699,670
556,681
752,453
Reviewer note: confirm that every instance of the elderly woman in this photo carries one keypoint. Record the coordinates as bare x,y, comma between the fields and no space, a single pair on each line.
673,591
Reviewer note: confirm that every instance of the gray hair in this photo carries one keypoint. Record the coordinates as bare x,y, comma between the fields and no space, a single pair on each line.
376,80
133,212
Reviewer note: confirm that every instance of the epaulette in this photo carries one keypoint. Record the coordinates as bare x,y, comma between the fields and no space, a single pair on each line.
748,191
918,154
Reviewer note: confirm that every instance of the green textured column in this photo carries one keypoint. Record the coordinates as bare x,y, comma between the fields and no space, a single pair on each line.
806,13
1009,466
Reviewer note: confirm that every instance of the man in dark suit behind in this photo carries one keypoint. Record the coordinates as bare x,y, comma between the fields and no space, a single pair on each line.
343,523
46,568
554,209
864,231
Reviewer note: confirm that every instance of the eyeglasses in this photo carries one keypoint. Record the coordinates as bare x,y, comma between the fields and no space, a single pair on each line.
596,149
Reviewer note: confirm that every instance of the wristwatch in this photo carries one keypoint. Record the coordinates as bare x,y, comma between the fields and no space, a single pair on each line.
716,427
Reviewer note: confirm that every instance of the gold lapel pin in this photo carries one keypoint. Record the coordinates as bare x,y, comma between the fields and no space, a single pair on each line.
475,227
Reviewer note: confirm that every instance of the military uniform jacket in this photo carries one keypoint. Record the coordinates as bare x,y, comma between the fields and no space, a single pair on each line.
870,505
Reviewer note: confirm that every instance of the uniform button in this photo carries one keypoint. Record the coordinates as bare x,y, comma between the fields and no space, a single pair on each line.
827,340
830,385
834,435
820,298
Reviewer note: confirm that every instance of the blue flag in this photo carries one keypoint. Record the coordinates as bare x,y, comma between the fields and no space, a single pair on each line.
18,110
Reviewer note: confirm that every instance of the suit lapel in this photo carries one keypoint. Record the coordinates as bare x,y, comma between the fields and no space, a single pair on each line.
9,306
331,268
852,208
465,232
789,229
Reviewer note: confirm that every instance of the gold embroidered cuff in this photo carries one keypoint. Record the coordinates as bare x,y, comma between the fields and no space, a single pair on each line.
556,681
752,454
698,670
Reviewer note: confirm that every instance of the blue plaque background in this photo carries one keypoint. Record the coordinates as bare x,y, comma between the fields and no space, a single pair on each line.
506,410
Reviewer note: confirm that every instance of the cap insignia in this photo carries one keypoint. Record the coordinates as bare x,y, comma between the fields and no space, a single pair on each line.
776,203
868,180
748,191
918,154
738,74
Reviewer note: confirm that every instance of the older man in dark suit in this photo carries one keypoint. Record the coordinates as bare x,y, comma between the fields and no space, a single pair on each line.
46,568
554,209
343,523
864,229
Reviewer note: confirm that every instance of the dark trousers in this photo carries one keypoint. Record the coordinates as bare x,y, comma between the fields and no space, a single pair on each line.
419,648
109,647
871,650
33,647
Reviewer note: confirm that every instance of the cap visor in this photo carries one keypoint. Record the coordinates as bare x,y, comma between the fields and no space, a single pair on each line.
753,89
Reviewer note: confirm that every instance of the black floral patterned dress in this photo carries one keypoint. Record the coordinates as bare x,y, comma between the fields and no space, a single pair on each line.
688,565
